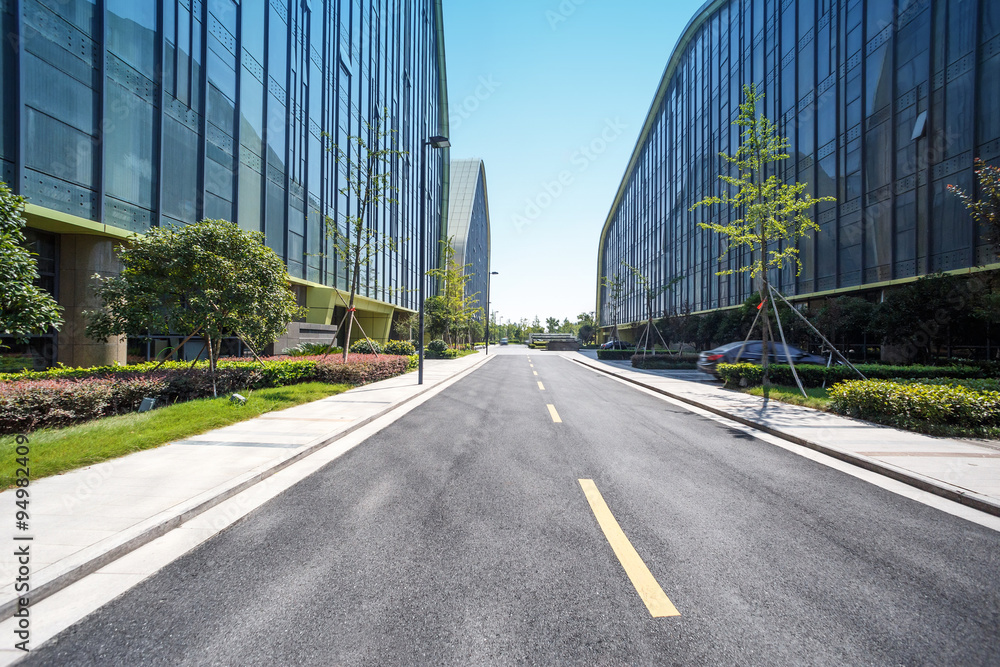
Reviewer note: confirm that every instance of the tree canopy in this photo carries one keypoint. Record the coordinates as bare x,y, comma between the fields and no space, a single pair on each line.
986,208
771,210
25,308
210,277
453,311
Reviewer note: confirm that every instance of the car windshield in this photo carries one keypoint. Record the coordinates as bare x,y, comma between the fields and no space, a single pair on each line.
732,346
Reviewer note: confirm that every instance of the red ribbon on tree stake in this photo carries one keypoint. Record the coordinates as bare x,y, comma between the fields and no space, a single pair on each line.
761,304
351,310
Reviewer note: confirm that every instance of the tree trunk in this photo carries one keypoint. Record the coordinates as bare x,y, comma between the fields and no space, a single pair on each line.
350,321
211,362
765,338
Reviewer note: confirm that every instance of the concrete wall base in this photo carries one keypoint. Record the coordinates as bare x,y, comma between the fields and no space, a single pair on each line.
80,257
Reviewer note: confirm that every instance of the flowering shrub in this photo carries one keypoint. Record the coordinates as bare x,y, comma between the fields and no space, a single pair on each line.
29,404
901,404
61,396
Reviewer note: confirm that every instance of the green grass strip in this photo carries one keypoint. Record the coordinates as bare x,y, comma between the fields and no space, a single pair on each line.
54,451
819,399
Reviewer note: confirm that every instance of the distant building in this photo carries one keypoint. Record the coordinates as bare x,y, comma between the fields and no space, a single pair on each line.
469,224
885,104
122,115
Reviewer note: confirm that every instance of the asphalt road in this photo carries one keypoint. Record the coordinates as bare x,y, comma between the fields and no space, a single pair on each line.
460,535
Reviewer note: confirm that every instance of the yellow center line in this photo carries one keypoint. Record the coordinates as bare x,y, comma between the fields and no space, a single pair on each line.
554,414
535,372
656,601
541,386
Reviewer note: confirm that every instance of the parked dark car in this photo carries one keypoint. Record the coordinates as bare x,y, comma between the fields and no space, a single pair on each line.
727,354
617,345
503,341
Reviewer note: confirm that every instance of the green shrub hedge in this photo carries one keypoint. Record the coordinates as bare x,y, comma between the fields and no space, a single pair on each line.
63,396
615,355
311,349
912,405
399,347
665,361
748,375
366,346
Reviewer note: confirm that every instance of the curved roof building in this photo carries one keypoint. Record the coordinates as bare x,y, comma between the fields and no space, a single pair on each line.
885,104
469,224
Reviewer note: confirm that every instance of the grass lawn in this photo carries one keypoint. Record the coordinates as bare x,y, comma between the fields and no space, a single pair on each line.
818,398
57,450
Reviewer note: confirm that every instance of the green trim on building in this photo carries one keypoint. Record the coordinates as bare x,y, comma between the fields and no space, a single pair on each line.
48,220
693,25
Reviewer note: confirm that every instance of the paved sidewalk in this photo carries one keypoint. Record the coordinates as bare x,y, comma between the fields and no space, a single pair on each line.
84,519
959,470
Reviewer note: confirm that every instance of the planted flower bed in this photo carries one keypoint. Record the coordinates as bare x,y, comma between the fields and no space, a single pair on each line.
63,396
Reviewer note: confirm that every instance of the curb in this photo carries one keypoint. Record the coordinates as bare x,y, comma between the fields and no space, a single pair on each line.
954,493
163,527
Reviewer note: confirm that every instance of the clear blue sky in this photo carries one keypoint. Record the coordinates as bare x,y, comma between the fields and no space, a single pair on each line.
546,88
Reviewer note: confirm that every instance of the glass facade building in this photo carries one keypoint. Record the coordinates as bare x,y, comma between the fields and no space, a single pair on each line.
469,225
884,103
120,115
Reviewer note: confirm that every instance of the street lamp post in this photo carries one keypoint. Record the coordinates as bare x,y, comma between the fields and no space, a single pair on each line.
489,280
435,142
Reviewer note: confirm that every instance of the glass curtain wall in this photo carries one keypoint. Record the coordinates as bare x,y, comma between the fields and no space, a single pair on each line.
885,104
137,114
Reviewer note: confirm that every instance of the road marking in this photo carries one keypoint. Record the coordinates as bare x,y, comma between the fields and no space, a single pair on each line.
554,414
541,386
657,602
535,372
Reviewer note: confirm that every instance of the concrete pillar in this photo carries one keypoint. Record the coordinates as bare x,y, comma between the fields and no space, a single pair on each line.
375,324
80,257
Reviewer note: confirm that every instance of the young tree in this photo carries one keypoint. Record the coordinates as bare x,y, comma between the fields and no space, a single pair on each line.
615,286
453,308
552,324
649,294
773,213
986,208
210,278
404,326
25,308
585,327
368,166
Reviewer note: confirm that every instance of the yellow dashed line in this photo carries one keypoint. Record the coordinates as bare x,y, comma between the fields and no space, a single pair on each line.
541,386
554,414
657,602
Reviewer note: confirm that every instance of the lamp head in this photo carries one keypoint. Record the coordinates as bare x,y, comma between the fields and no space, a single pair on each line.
438,142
